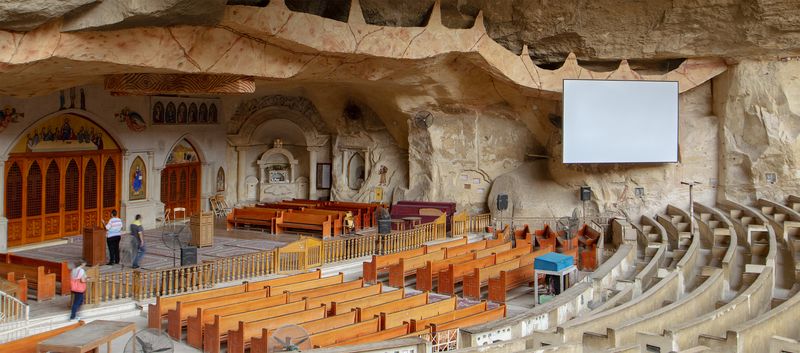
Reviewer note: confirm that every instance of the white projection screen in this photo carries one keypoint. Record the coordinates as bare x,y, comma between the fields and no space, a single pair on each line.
620,121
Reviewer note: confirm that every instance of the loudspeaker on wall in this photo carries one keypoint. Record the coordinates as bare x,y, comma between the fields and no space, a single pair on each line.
502,202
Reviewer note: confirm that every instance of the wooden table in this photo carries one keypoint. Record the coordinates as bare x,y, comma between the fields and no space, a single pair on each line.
87,337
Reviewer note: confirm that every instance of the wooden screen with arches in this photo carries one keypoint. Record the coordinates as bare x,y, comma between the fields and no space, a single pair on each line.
180,187
55,194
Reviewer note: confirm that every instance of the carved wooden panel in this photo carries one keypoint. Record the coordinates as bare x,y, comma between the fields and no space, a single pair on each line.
52,191
109,184
14,192
34,190
52,225
146,84
90,186
33,229
72,223
72,187
14,233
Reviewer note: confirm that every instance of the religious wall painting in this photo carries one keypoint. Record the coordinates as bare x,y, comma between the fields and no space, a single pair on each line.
185,111
73,96
323,176
132,119
9,115
382,171
183,153
67,132
220,180
137,187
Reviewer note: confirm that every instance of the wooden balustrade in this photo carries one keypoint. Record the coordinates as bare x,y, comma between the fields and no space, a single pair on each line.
478,223
244,267
460,225
13,309
108,286
340,249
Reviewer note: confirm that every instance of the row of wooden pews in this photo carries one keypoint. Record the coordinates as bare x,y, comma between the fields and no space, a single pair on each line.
333,311
324,217
40,278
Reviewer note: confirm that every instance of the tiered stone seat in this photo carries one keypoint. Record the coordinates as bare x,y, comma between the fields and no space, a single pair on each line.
786,222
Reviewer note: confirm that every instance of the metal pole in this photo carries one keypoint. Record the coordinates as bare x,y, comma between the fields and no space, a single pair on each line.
691,204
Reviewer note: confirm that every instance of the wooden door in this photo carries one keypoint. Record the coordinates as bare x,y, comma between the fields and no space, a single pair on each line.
52,199
33,202
110,187
72,197
15,196
180,187
91,198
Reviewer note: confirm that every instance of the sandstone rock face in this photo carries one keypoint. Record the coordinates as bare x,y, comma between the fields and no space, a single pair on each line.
116,14
759,104
25,15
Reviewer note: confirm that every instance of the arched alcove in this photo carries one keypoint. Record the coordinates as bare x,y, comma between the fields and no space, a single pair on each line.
278,173
181,178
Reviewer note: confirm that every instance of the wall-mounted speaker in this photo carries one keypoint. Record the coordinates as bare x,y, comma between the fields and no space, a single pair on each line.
502,202
586,193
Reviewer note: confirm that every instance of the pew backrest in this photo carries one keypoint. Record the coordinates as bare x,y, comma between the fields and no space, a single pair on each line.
341,307
365,313
298,286
308,276
394,319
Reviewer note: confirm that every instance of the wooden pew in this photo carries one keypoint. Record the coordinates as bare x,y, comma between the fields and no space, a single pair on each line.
203,316
280,206
409,265
38,279
486,316
61,269
299,295
156,312
358,293
308,276
341,307
479,277
427,274
176,318
16,287
429,248
465,249
383,335
359,214
259,344
381,263
398,317
28,344
217,332
367,210
240,337
252,216
298,286
345,333
305,221
448,278
421,324
507,280
337,217
493,250
365,313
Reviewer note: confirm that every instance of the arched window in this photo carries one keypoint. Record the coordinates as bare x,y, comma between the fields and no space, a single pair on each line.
52,191
109,184
14,192
34,190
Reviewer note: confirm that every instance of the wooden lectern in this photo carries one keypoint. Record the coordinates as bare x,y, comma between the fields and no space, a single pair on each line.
94,246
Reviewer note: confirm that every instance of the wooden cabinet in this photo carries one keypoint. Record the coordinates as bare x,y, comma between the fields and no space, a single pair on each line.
94,246
202,227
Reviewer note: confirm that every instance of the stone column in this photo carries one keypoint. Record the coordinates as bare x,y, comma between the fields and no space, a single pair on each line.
312,172
206,188
241,188
153,191
3,219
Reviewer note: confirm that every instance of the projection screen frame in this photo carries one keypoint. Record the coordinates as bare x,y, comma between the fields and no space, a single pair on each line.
677,124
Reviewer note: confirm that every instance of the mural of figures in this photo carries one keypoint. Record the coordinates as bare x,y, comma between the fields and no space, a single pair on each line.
66,133
132,119
193,113
182,113
203,113
171,115
182,153
158,113
138,180
9,115
220,180
212,113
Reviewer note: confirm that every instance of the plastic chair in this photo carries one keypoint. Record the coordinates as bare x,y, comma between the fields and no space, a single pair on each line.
175,213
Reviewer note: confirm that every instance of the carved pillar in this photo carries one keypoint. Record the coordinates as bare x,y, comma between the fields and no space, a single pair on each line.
3,219
312,172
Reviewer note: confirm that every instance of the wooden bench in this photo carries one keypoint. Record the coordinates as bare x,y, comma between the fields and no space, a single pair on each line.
352,294
344,333
365,313
421,324
61,269
472,320
381,263
341,307
473,282
368,210
176,318
253,216
305,221
217,331
409,265
429,248
259,344
448,278
240,337
493,250
427,274
15,287
360,214
203,316
298,286
158,311
308,276
398,317
510,279
382,335
28,344
298,295
38,279
338,218
281,206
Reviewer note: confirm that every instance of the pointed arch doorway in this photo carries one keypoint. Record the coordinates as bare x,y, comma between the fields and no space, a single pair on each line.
181,179
61,176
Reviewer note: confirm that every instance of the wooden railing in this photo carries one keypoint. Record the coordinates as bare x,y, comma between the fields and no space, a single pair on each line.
304,254
459,225
12,309
478,223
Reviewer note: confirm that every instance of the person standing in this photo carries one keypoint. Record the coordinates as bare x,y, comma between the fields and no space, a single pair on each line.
77,285
137,240
113,234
